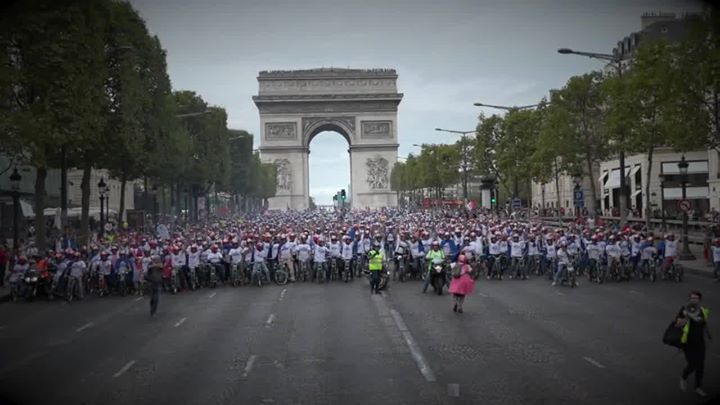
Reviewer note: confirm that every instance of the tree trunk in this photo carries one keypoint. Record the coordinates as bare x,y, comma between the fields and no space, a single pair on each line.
121,210
557,186
40,177
593,188
648,209
63,188
85,202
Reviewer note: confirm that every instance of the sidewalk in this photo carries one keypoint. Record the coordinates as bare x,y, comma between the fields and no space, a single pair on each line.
699,266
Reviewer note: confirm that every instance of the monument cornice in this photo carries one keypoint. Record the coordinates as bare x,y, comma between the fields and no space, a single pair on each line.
284,148
308,98
374,147
327,73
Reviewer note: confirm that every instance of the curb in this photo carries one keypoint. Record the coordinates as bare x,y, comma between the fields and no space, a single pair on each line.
708,273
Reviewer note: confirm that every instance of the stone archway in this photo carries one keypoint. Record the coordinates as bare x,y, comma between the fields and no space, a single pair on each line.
360,105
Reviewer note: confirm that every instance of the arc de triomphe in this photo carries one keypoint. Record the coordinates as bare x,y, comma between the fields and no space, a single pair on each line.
360,105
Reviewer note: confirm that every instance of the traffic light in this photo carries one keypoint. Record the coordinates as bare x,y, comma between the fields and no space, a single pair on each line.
335,197
343,196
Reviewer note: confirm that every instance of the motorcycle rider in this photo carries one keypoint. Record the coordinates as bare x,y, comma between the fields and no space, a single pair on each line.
77,272
434,257
400,251
193,262
417,251
15,278
287,251
563,259
215,258
154,276
375,265
346,253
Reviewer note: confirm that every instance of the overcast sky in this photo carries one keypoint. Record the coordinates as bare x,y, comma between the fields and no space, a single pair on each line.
448,54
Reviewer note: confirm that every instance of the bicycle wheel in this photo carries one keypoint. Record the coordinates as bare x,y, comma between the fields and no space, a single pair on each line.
281,277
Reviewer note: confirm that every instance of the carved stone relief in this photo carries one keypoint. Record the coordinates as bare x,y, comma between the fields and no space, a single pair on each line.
377,172
280,131
284,174
376,129
347,122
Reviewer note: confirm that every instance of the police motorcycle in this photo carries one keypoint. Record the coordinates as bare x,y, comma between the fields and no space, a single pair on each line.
31,280
438,276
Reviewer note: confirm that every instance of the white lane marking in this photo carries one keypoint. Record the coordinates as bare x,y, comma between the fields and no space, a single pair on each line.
249,365
593,362
483,295
270,320
138,299
213,294
634,292
64,303
559,293
282,293
180,322
124,369
453,390
417,355
82,328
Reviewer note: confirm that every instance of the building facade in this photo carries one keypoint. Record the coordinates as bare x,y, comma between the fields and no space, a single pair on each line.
703,188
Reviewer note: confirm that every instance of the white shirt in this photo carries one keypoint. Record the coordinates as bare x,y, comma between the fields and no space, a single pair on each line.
215,257
193,260
671,248
235,255
347,251
551,251
320,253
334,249
716,254
613,250
178,259
303,252
517,248
286,250
494,248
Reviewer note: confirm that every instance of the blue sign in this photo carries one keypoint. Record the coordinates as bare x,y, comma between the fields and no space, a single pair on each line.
579,199
517,203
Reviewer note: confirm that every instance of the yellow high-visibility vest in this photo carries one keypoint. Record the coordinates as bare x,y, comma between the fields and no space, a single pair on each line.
376,260
686,328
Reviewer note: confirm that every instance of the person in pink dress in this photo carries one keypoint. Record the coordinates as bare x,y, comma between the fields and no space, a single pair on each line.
463,285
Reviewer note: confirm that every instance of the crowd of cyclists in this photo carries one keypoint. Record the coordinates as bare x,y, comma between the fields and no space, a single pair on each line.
325,247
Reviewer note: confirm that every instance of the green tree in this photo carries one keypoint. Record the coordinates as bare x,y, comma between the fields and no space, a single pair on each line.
581,102
659,114
52,82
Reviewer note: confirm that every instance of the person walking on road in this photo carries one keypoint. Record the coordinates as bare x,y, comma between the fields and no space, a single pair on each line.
154,276
462,283
375,264
693,320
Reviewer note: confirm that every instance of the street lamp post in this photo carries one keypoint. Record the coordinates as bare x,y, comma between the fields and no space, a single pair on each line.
102,190
662,201
542,190
507,107
15,187
685,254
577,179
464,158
615,62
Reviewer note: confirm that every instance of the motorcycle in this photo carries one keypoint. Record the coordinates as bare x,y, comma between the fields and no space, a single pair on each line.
281,274
31,281
568,277
400,267
347,270
438,278
384,278
235,274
